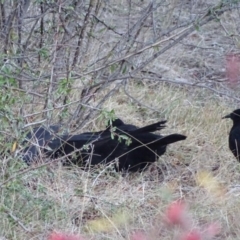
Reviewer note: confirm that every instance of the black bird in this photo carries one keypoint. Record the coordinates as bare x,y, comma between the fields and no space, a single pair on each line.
36,140
144,149
92,148
48,141
234,135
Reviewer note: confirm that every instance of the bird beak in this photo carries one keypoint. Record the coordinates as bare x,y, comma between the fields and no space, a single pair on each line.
227,116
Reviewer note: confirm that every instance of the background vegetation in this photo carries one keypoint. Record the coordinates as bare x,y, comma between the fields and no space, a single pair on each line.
74,62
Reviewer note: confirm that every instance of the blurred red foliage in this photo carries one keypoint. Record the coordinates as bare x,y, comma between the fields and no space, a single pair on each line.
233,69
64,236
176,213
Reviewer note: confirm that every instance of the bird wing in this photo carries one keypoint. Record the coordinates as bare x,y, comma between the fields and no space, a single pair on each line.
234,141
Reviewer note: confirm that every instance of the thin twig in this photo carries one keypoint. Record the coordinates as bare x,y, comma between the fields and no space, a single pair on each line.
16,219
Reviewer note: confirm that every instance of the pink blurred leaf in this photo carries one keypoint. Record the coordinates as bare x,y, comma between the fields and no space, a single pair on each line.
233,68
176,214
193,235
138,236
212,230
64,236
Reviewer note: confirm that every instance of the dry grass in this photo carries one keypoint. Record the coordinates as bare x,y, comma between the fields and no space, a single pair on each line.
57,198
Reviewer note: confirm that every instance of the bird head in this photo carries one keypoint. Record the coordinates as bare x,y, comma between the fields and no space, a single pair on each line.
114,123
235,115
